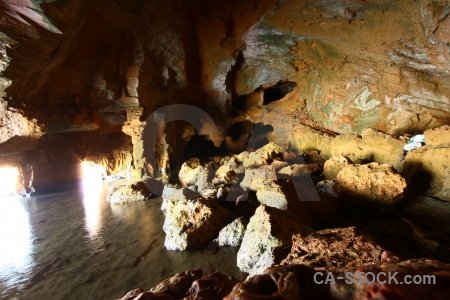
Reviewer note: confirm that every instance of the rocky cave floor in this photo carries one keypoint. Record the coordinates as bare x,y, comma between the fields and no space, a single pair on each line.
294,214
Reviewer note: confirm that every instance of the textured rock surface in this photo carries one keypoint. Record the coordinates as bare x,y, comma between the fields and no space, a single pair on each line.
374,183
427,170
124,191
262,156
340,248
332,166
233,233
253,178
224,175
438,136
271,194
268,232
192,223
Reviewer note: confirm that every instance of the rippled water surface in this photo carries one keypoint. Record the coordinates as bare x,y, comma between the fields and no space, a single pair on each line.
75,245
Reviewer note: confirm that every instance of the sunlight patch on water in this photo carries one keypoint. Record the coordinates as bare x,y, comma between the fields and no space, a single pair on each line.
16,247
92,191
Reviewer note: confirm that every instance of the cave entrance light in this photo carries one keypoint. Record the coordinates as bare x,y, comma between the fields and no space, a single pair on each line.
8,181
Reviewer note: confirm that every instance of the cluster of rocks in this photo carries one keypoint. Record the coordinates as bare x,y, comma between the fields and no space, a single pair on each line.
270,203
300,281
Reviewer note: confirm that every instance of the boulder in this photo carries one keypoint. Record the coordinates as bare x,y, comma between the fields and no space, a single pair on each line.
192,223
263,156
233,233
125,191
271,194
339,248
435,272
298,170
174,193
224,175
214,286
289,283
269,230
427,171
189,171
374,183
255,177
177,285
328,187
332,166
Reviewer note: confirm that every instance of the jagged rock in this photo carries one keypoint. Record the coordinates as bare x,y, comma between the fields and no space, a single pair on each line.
174,193
271,194
375,183
124,191
212,287
263,156
177,285
224,175
328,187
278,165
437,136
290,283
298,170
339,248
427,171
255,177
192,223
233,233
189,172
269,230
439,288
332,166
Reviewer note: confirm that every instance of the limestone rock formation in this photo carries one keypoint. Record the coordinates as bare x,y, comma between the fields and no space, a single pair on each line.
253,178
174,194
298,170
263,156
374,183
426,169
340,248
233,233
124,191
268,232
224,175
332,166
177,285
192,223
271,194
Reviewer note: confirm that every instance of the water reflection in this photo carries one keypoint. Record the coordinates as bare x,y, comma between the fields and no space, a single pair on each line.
16,243
93,187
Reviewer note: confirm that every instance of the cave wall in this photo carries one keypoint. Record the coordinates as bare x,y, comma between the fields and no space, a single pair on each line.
82,66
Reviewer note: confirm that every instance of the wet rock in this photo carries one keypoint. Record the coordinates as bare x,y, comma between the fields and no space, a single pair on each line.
233,233
192,223
177,285
255,177
269,230
140,294
263,156
374,183
339,248
332,166
271,194
212,287
224,175
124,191
328,187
